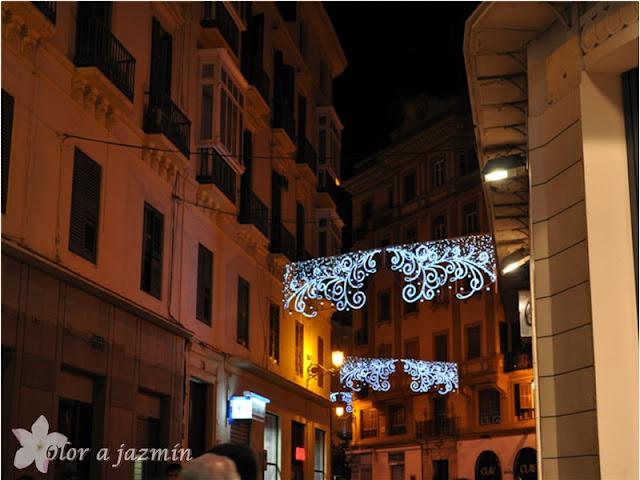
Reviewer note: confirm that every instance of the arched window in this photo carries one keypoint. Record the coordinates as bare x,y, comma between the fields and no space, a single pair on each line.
525,466
488,466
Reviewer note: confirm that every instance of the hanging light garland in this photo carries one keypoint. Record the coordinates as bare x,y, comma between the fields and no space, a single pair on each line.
356,372
347,398
426,267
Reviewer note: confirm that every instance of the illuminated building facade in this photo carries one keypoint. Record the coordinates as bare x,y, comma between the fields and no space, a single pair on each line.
425,187
162,162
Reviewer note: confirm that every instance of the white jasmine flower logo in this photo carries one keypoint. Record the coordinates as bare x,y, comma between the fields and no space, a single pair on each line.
34,445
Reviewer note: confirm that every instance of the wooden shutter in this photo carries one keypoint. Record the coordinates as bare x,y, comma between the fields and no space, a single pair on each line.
7,129
240,432
204,290
153,234
85,206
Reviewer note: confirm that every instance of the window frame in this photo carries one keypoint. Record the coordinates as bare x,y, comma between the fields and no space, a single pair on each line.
393,426
369,418
494,402
205,316
150,213
243,312
467,343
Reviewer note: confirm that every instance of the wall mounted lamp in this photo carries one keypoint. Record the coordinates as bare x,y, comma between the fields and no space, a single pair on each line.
501,168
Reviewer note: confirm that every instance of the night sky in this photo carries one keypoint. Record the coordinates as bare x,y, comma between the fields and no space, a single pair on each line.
395,51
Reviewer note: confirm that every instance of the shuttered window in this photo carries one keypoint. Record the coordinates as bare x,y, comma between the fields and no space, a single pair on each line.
204,293
7,129
274,332
152,242
85,206
242,328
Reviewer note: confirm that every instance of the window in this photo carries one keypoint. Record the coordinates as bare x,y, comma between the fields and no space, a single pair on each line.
489,406
321,361
75,419
439,228
274,332
204,289
161,48
470,218
396,465
384,306
397,420
368,423
197,417
467,162
412,348
299,349
85,207
409,186
297,450
152,246
319,457
384,350
7,130
523,396
300,219
410,235
272,446
441,347
439,173
242,326
440,470
473,342
231,106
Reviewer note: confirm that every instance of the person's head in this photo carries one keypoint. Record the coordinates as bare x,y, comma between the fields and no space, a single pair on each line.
173,470
210,467
26,477
242,456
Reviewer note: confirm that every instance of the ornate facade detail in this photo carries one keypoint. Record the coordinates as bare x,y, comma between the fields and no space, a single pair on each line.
94,100
373,372
429,266
427,375
336,279
604,21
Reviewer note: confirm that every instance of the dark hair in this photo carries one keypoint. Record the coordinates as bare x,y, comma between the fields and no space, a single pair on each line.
26,477
242,456
173,467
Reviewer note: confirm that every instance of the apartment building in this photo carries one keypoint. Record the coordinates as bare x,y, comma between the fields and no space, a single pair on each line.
426,186
559,88
161,163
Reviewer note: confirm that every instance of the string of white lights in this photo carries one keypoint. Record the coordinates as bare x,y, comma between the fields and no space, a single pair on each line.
347,398
426,375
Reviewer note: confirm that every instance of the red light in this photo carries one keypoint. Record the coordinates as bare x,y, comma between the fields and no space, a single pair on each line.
300,454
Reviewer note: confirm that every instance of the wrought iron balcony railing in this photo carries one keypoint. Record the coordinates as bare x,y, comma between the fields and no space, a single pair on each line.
216,15
97,47
213,170
436,428
517,361
48,9
307,154
164,116
283,242
253,211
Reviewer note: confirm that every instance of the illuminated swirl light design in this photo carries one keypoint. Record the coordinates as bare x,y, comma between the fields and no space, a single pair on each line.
336,279
427,375
347,398
429,266
374,372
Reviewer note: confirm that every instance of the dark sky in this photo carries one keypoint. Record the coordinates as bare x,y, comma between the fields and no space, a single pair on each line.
395,51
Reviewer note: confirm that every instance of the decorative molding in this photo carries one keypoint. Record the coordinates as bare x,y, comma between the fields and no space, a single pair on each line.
427,375
429,266
604,21
26,23
336,279
373,372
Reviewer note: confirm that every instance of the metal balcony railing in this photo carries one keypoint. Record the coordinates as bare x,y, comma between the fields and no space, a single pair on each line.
97,47
436,428
283,118
216,15
517,361
164,116
48,9
253,211
307,154
214,170
283,242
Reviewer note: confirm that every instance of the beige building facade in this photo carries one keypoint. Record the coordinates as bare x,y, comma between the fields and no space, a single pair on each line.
424,187
161,163
557,85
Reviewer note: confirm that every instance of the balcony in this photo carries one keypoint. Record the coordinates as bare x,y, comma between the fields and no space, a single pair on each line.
253,211
213,170
283,242
436,428
517,361
97,47
307,155
256,76
48,9
163,116
283,119
215,15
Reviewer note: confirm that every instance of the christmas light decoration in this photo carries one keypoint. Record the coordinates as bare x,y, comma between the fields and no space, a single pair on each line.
427,375
429,266
336,279
347,398
374,372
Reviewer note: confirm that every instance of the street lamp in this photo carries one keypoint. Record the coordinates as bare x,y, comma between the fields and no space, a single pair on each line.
515,260
315,369
500,168
339,411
